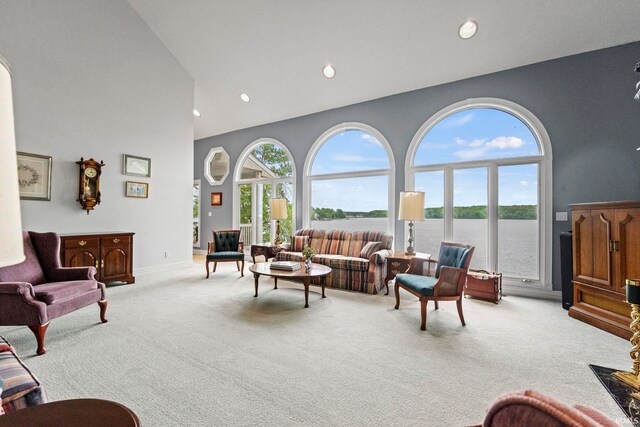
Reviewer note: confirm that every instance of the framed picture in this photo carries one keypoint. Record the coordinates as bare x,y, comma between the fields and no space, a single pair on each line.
216,199
136,166
137,189
34,176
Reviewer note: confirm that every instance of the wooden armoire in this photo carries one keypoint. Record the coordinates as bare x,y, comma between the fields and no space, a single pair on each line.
606,252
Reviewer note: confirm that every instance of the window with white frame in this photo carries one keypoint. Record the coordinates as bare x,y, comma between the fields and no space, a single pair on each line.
485,168
265,170
349,181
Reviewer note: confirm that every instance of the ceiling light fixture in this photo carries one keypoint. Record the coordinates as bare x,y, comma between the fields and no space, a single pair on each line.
245,97
328,71
468,29
196,113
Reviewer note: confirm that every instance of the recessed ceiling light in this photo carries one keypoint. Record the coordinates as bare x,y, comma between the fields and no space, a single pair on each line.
328,71
245,97
468,29
196,113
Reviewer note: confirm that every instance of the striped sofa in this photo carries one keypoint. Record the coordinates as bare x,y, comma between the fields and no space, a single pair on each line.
342,250
19,388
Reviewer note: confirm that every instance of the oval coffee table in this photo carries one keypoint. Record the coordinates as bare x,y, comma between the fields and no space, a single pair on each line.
299,275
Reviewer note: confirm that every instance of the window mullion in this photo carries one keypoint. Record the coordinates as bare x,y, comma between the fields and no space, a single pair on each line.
492,216
448,204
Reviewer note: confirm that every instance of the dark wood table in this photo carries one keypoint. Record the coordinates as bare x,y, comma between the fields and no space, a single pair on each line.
299,275
72,413
267,251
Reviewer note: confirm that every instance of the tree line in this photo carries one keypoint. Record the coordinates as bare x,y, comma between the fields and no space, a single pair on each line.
459,212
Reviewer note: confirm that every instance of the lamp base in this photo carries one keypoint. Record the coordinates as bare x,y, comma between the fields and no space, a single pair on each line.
277,241
629,379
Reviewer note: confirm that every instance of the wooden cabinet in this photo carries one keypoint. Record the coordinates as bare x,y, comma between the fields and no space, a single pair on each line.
110,253
606,252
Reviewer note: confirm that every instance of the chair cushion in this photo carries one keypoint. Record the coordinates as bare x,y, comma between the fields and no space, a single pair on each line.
421,284
451,256
350,263
29,270
55,292
369,249
226,255
298,243
226,240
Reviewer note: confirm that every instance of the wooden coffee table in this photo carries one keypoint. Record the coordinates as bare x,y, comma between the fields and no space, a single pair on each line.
72,413
299,275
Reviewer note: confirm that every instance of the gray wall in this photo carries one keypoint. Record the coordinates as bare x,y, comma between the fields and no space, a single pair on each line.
90,79
584,101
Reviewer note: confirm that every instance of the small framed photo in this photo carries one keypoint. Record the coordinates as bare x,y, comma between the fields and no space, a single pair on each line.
137,189
34,176
216,199
136,166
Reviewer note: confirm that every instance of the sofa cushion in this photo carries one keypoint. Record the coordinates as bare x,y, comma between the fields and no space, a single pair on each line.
369,249
316,237
289,256
360,238
324,259
226,255
336,243
17,378
421,284
55,292
298,243
29,270
350,263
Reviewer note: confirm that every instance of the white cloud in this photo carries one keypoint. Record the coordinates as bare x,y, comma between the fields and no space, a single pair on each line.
477,143
371,139
480,147
459,121
459,141
502,142
524,183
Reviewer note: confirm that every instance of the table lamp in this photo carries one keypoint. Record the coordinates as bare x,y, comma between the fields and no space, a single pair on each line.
278,211
411,209
633,298
11,251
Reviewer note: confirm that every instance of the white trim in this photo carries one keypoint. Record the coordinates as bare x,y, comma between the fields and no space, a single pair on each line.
237,174
307,177
198,182
207,164
544,162
531,292
164,267
199,251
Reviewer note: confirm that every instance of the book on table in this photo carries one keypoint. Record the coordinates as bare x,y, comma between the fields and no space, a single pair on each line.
285,265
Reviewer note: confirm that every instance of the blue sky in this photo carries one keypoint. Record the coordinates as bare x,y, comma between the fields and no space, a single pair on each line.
475,134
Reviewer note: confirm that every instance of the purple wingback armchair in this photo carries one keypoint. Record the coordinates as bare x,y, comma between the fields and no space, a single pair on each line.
40,289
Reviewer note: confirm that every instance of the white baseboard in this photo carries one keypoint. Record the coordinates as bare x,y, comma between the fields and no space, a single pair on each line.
199,252
531,292
164,267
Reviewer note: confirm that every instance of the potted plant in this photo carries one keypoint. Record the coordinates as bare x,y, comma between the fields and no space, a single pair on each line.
307,253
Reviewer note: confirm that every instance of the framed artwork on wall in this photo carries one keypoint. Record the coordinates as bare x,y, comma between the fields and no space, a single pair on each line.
34,176
137,189
136,166
216,199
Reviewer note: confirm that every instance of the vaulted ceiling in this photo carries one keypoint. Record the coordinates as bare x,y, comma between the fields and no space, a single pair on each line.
274,50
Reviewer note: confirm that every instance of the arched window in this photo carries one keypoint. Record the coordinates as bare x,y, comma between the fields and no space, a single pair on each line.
485,168
265,170
349,180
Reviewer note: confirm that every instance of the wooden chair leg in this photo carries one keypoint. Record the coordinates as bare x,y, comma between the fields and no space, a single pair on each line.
238,265
396,291
423,313
436,302
39,331
459,304
242,269
208,268
215,265
103,310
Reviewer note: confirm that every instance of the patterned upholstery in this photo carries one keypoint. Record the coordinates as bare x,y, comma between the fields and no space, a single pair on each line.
369,249
298,243
341,251
20,388
227,240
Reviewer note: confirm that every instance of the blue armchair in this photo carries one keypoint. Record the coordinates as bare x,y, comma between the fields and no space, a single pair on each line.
226,246
446,285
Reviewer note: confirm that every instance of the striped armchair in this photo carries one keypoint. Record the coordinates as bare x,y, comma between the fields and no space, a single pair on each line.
357,259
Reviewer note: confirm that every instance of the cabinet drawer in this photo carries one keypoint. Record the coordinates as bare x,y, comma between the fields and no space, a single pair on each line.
115,240
81,242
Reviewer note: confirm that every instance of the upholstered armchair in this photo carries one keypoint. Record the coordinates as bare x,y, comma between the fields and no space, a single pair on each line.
226,247
39,289
446,285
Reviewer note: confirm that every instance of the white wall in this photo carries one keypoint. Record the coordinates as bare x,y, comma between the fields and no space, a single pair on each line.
90,79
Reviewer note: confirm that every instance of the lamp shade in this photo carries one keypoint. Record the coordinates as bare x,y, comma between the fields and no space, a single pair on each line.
633,291
278,208
11,251
411,206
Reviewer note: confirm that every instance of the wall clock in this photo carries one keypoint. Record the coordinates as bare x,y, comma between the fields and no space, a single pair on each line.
89,190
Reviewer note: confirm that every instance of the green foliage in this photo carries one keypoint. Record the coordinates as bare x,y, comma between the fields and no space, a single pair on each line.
518,212
275,158
434,213
470,212
480,212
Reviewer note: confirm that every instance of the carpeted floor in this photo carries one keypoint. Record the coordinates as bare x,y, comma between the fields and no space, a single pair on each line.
181,350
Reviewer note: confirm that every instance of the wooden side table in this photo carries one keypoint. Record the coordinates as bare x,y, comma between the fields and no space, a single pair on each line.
399,263
72,413
267,251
